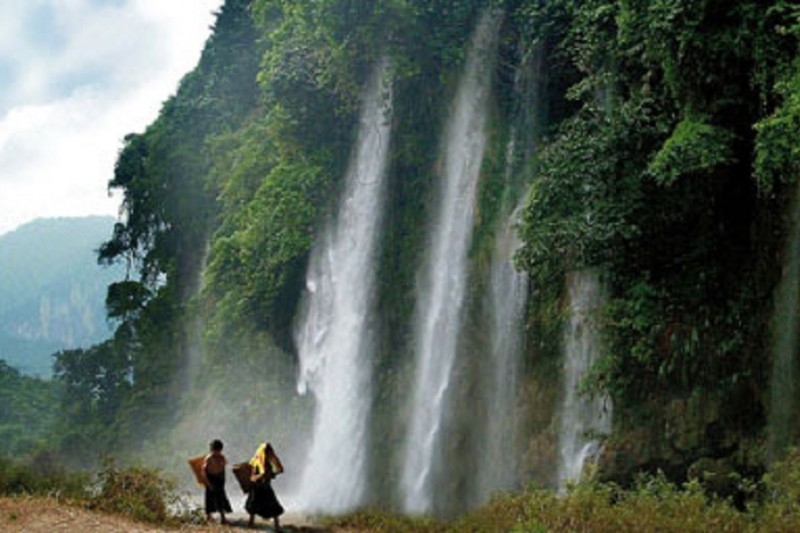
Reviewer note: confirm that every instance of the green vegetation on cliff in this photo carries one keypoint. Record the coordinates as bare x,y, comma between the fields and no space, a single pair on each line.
672,175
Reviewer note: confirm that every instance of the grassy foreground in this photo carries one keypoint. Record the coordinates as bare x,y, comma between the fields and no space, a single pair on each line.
653,504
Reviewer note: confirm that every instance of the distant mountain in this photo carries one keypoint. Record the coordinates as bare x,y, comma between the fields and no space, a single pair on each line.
52,291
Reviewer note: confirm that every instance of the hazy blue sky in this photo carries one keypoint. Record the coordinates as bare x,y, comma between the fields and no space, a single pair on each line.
75,77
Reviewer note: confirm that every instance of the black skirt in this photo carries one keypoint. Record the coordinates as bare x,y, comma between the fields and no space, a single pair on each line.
261,500
216,498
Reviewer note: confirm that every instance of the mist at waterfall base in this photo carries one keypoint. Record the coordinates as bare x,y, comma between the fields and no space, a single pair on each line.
245,405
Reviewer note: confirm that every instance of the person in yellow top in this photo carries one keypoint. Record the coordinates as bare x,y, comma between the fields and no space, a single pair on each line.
261,500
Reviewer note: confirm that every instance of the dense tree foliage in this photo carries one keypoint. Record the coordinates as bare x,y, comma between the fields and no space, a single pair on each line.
659,179
28,408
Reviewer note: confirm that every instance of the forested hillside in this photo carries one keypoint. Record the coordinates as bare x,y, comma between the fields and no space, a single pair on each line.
653,146
52,292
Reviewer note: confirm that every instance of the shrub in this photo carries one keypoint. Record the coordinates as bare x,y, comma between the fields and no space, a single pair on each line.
139,493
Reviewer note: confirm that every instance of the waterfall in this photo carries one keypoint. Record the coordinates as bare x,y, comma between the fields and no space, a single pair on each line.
508,291
581,415
442,283
784,401
334,337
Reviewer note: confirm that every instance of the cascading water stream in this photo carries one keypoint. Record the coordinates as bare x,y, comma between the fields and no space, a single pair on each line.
497,469
581,415
334,338
784,401
441,291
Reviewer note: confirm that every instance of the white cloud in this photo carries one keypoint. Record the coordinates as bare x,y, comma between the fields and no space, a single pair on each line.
102,71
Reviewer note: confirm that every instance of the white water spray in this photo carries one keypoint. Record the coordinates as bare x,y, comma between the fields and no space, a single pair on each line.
334,339
581,415
441,292
497,469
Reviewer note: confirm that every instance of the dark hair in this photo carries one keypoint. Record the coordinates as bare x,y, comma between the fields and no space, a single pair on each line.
216,445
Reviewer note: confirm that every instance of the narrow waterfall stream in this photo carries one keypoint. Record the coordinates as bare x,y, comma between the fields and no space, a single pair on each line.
334,337
442,284
784,402
580,414
508,291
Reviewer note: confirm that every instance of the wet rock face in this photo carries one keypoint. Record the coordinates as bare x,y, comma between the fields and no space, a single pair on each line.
685,423
539,401
685,438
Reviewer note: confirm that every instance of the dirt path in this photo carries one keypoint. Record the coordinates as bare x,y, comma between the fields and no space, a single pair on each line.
36,514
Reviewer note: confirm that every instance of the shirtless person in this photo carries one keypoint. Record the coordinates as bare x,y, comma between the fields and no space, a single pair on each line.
214,471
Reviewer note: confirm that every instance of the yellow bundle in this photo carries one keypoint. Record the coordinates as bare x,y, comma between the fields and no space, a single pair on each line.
265,457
